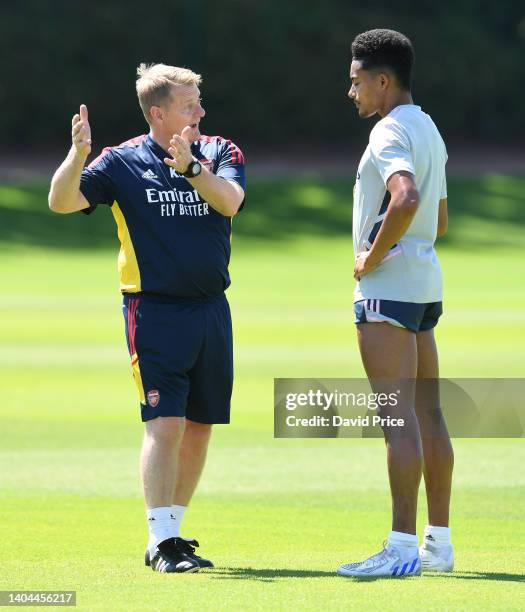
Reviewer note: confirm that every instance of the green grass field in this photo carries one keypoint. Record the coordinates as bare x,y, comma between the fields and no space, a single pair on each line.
277,516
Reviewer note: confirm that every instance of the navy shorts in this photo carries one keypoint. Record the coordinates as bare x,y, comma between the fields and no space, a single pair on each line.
414,317
181,355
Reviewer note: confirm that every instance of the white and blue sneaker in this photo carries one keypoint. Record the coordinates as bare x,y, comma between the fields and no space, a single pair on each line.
391,561
436,558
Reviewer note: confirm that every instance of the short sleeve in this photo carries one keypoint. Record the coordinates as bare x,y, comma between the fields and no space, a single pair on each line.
443,195
96,183
230,163
390,150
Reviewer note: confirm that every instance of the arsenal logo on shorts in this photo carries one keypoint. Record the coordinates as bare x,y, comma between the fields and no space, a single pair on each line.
153,397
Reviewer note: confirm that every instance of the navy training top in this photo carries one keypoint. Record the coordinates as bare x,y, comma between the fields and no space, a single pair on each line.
173,243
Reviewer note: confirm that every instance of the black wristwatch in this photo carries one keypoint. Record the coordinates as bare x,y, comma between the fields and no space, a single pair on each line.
193,170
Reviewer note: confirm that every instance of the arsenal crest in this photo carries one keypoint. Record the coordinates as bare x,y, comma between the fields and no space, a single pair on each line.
153,397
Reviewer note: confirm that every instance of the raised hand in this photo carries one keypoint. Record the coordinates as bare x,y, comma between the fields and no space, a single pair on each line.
81,132
180,149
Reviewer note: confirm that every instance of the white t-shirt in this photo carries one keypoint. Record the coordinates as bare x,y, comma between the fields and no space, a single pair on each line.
406,139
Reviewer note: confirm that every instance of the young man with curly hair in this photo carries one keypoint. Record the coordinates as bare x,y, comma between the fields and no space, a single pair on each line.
400,207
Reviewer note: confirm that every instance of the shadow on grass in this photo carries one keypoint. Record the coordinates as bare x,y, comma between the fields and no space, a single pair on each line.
497,576
270,575
484,213
264,574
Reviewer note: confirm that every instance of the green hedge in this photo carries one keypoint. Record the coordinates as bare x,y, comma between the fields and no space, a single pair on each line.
275,71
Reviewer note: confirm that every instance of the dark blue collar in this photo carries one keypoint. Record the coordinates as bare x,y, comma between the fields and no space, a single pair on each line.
156,148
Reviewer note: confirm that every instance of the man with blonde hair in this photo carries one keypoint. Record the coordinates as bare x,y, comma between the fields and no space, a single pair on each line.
172,193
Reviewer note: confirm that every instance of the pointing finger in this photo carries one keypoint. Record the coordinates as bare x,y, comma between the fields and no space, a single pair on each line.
186,134
84,112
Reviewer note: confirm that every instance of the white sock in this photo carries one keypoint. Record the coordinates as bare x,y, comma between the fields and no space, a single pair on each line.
177,514
403,540
438,536
160,526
